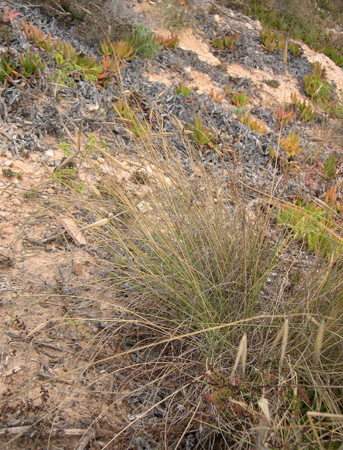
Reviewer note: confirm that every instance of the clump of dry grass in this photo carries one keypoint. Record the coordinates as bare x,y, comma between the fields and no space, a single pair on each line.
260,359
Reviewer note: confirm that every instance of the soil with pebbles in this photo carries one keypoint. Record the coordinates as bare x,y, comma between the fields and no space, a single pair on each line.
34,120
23,106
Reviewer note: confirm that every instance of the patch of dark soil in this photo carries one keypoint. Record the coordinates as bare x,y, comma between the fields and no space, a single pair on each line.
45,117
88,19
247,51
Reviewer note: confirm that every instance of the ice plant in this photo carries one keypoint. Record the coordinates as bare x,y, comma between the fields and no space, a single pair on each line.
10,15
7,69
31,64
39,38
226,42
121,49
307,112
216,97
329,169
144,42
170,42
313,225
294,48
283,117
291,144
254,124
315,85
182,89
331,198
110,68
240,99
268,39
199,133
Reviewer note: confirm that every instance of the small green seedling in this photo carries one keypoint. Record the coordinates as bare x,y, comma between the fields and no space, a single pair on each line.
182,89
9,173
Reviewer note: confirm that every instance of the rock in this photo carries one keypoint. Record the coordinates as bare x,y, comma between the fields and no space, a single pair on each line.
49,154
16,202
78,268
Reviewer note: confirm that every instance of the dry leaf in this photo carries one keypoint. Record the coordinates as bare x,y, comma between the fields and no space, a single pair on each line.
263,404
74,231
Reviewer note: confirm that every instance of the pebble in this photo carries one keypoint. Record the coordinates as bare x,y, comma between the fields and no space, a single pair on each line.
49,154
78,268
16,202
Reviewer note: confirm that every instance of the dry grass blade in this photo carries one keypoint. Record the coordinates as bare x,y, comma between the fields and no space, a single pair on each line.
264,405
98,223
241,356
282,334
188,425
319,342
285,54
314,414
141,416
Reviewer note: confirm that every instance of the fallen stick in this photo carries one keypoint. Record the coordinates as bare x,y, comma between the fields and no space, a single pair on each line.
32,429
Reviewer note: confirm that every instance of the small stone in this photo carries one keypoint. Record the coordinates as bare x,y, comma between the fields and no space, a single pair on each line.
49,154
78,268
92,107
16,202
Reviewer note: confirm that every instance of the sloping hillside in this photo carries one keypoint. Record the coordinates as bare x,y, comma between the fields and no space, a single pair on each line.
170,227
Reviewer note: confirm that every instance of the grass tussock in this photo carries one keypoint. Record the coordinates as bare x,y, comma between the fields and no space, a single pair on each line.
260,344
